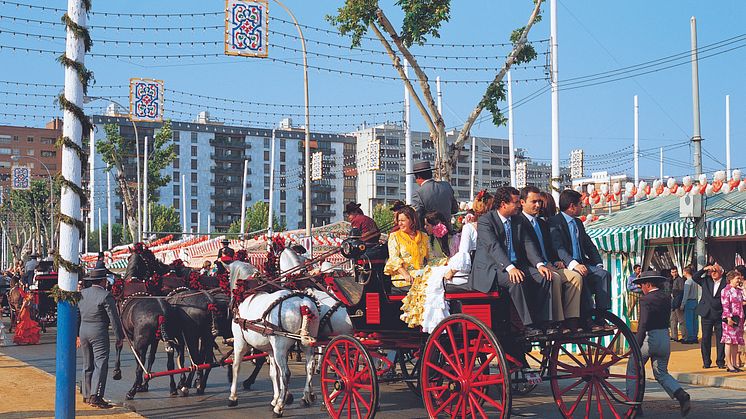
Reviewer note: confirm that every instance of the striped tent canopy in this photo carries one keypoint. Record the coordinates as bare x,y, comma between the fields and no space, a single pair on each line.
657,218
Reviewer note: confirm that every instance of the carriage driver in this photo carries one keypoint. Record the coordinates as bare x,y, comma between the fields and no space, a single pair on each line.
96,310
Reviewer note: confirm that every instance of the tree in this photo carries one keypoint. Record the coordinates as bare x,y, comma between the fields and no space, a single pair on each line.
256,219
165,219
114,151
27,213
383,216
116,237
423,18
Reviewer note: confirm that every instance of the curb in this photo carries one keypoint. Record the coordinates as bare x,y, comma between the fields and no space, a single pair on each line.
732,383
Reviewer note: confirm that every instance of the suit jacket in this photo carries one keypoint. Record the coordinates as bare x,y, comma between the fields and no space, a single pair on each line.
528,252
435,195
562,242
710,307
655,313
96,310
491,256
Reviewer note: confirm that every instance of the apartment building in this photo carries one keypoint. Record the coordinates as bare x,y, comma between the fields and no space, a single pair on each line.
33,147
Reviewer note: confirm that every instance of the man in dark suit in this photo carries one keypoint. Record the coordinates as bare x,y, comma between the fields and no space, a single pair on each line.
495,259
578,253
653,338
711,310
561,296
433,195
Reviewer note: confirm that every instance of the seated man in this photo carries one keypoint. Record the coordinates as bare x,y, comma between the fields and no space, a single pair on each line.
536,254
495,260
578,253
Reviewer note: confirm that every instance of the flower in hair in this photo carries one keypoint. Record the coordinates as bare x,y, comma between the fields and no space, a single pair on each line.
440,230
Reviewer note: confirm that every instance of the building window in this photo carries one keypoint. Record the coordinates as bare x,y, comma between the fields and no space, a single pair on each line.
176,163
194,164
194,138
266,194
282,156
47,141
176,149
266,181
15,138
266,168
5,139
283,207
16,152
266,143
266,155
194,190
4,151
46,153
194,204
176,204
194,151
283,144
177,176
194,178
30,139
282,194
30,152
177,190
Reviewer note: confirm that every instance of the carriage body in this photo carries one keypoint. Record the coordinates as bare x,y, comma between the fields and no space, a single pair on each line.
46,308
476,359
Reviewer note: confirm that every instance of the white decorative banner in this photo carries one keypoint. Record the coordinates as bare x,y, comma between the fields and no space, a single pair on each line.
20,177
146,100
374,155
316,160
521,170
246,28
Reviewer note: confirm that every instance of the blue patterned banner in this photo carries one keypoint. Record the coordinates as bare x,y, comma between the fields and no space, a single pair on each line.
146,100
246,30
20,177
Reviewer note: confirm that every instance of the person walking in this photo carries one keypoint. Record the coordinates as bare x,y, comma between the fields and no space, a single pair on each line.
652,336
677,313
710,308
96,311
689,305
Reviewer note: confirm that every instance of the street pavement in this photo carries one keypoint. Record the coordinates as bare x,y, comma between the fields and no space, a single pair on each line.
395,399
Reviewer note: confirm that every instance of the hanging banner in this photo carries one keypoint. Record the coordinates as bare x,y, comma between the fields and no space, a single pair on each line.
246,28
316,160
146,100
521,173
20,177
374,155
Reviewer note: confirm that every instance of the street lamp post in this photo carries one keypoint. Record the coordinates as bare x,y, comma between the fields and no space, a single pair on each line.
307,150
51,195
89,99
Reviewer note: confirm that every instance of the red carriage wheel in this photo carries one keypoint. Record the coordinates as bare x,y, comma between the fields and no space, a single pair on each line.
348,379
598,376
463,372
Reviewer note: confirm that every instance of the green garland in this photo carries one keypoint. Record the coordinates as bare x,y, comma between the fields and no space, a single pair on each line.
85,76
58,295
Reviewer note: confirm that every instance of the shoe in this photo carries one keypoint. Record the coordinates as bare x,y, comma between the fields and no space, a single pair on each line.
731,370
722,367
684,401
706,366
100,403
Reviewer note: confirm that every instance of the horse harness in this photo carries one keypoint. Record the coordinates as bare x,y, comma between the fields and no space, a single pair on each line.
263,326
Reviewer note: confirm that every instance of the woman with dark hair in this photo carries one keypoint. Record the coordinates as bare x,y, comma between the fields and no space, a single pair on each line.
435,226
550,207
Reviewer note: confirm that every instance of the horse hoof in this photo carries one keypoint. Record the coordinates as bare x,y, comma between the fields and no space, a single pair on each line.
142,389
306,403
200,391
232,403
183,391
130,395
174,392
117,375
276,415
289,399
247,386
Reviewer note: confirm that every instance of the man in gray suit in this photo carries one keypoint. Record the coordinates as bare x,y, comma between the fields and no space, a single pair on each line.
96,310
496,262
433,195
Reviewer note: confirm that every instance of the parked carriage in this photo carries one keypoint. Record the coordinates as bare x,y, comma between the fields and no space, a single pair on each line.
472,364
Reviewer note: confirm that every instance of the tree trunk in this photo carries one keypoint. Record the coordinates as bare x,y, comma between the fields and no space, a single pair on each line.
129,200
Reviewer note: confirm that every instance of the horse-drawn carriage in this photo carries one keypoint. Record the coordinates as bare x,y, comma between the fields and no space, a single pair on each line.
475,360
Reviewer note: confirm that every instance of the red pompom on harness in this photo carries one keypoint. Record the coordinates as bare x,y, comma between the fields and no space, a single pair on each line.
161,322
212,308
306,312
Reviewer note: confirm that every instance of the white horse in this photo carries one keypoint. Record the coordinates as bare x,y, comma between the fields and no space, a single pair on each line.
300,317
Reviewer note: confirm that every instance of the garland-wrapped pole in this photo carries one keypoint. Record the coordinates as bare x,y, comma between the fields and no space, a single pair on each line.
76,81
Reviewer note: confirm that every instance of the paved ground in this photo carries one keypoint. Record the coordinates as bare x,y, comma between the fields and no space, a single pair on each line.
36,394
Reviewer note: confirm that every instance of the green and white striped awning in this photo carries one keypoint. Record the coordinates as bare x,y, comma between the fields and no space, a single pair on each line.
658,218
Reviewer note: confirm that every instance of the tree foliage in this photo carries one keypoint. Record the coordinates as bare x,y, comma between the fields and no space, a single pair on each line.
25,217
164,219
422,19
116,237
256,219
383,216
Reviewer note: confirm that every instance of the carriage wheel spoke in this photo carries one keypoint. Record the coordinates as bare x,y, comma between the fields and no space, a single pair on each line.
334,395
362,399
443,353
598,400
488,399
484,365
357,406
577,400
589,400
608,400
445,403
471,361
473,402
340,361
336,371
570,387
586,355
458,366
494,381
617,391
609,347
569,354
455,411
442,371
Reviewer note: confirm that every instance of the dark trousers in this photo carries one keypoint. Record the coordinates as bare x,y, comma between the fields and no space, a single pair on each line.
706,345
530,298
95,350
598,283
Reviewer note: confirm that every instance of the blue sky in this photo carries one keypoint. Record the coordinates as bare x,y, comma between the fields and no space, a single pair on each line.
594,37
